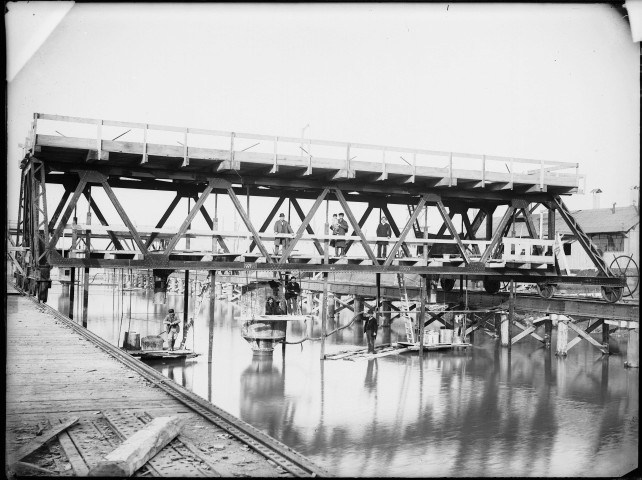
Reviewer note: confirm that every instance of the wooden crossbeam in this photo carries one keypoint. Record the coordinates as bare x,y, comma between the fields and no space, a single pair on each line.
163,219
103,221
190,216
453,231
355,224
395,229
584,334
304,224
268,220
499,233
70,207
362,221
308,228
210,223
121,212
248,223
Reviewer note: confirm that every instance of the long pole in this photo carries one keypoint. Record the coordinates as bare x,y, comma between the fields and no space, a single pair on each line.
326,255
422,312
185,303
72,290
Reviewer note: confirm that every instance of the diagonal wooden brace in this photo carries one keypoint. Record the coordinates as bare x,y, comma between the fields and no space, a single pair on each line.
248,223
585,335
84,176
498,234
268,220
210,223
163,219
355,225
124,217
190,216
406,229
304,224
453,231
362,221
308,228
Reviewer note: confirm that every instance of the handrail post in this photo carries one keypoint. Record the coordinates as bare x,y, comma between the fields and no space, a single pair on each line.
541,175
348,160
145,144
450,169
511,173
483,171
275,167
232,135
99,134
414,166
185,158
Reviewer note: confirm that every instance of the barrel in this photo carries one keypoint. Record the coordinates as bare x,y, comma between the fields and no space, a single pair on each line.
132,340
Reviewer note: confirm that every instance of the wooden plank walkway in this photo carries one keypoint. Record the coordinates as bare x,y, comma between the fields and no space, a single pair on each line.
53,373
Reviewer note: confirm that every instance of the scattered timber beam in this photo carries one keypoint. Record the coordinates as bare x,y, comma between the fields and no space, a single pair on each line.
38,442
134,452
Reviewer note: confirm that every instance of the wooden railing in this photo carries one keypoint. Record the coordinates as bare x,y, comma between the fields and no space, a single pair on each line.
275,145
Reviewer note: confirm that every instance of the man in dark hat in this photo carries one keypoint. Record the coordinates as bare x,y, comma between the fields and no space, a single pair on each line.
172,327
370,328
281,226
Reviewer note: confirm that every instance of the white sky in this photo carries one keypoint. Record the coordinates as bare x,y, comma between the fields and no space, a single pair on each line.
557,82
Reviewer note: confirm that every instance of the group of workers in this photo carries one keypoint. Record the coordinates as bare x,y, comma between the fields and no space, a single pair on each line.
292,293
338,227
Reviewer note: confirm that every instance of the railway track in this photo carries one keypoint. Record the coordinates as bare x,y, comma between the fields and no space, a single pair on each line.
282,455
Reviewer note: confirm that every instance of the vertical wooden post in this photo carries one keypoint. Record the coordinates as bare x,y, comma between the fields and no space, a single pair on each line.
562,335
189,227
378,300
548,329
72,289
358,307
511,310
85,297
326,257
211,324
605,335
386,306
633,349
425,245
185,304
504,334
422,313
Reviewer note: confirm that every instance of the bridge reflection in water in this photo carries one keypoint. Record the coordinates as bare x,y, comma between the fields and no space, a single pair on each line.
482,411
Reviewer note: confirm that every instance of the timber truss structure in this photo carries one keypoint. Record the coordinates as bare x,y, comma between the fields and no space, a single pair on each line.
258,166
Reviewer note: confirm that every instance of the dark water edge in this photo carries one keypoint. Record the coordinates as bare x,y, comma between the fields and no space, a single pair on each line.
483,411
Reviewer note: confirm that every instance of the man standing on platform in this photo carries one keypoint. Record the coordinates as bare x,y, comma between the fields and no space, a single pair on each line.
370,328
292,292
341,228
383,230
281,226
172,327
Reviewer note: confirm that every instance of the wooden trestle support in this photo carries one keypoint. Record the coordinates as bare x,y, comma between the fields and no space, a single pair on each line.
196,174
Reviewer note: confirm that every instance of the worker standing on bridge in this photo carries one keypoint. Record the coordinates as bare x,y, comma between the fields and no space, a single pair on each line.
335,219
383,230
370,328
172,327
341,228
281,226
292,292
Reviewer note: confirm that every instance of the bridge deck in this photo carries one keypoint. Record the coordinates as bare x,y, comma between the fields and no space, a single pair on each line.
280,158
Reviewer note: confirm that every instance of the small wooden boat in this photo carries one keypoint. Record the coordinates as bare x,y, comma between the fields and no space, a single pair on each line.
162,354
414,347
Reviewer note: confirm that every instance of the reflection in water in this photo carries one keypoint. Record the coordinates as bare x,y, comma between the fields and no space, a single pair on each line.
483,411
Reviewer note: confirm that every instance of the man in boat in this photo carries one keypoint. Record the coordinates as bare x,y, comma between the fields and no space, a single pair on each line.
281,226
370,328
172,327
292,292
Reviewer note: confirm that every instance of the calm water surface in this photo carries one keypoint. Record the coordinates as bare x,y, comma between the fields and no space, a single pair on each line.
479,412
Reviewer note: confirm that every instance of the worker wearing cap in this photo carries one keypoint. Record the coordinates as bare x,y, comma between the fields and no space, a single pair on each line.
172,327
281,226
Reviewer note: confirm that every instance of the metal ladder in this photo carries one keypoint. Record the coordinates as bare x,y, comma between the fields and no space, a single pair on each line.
405,308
